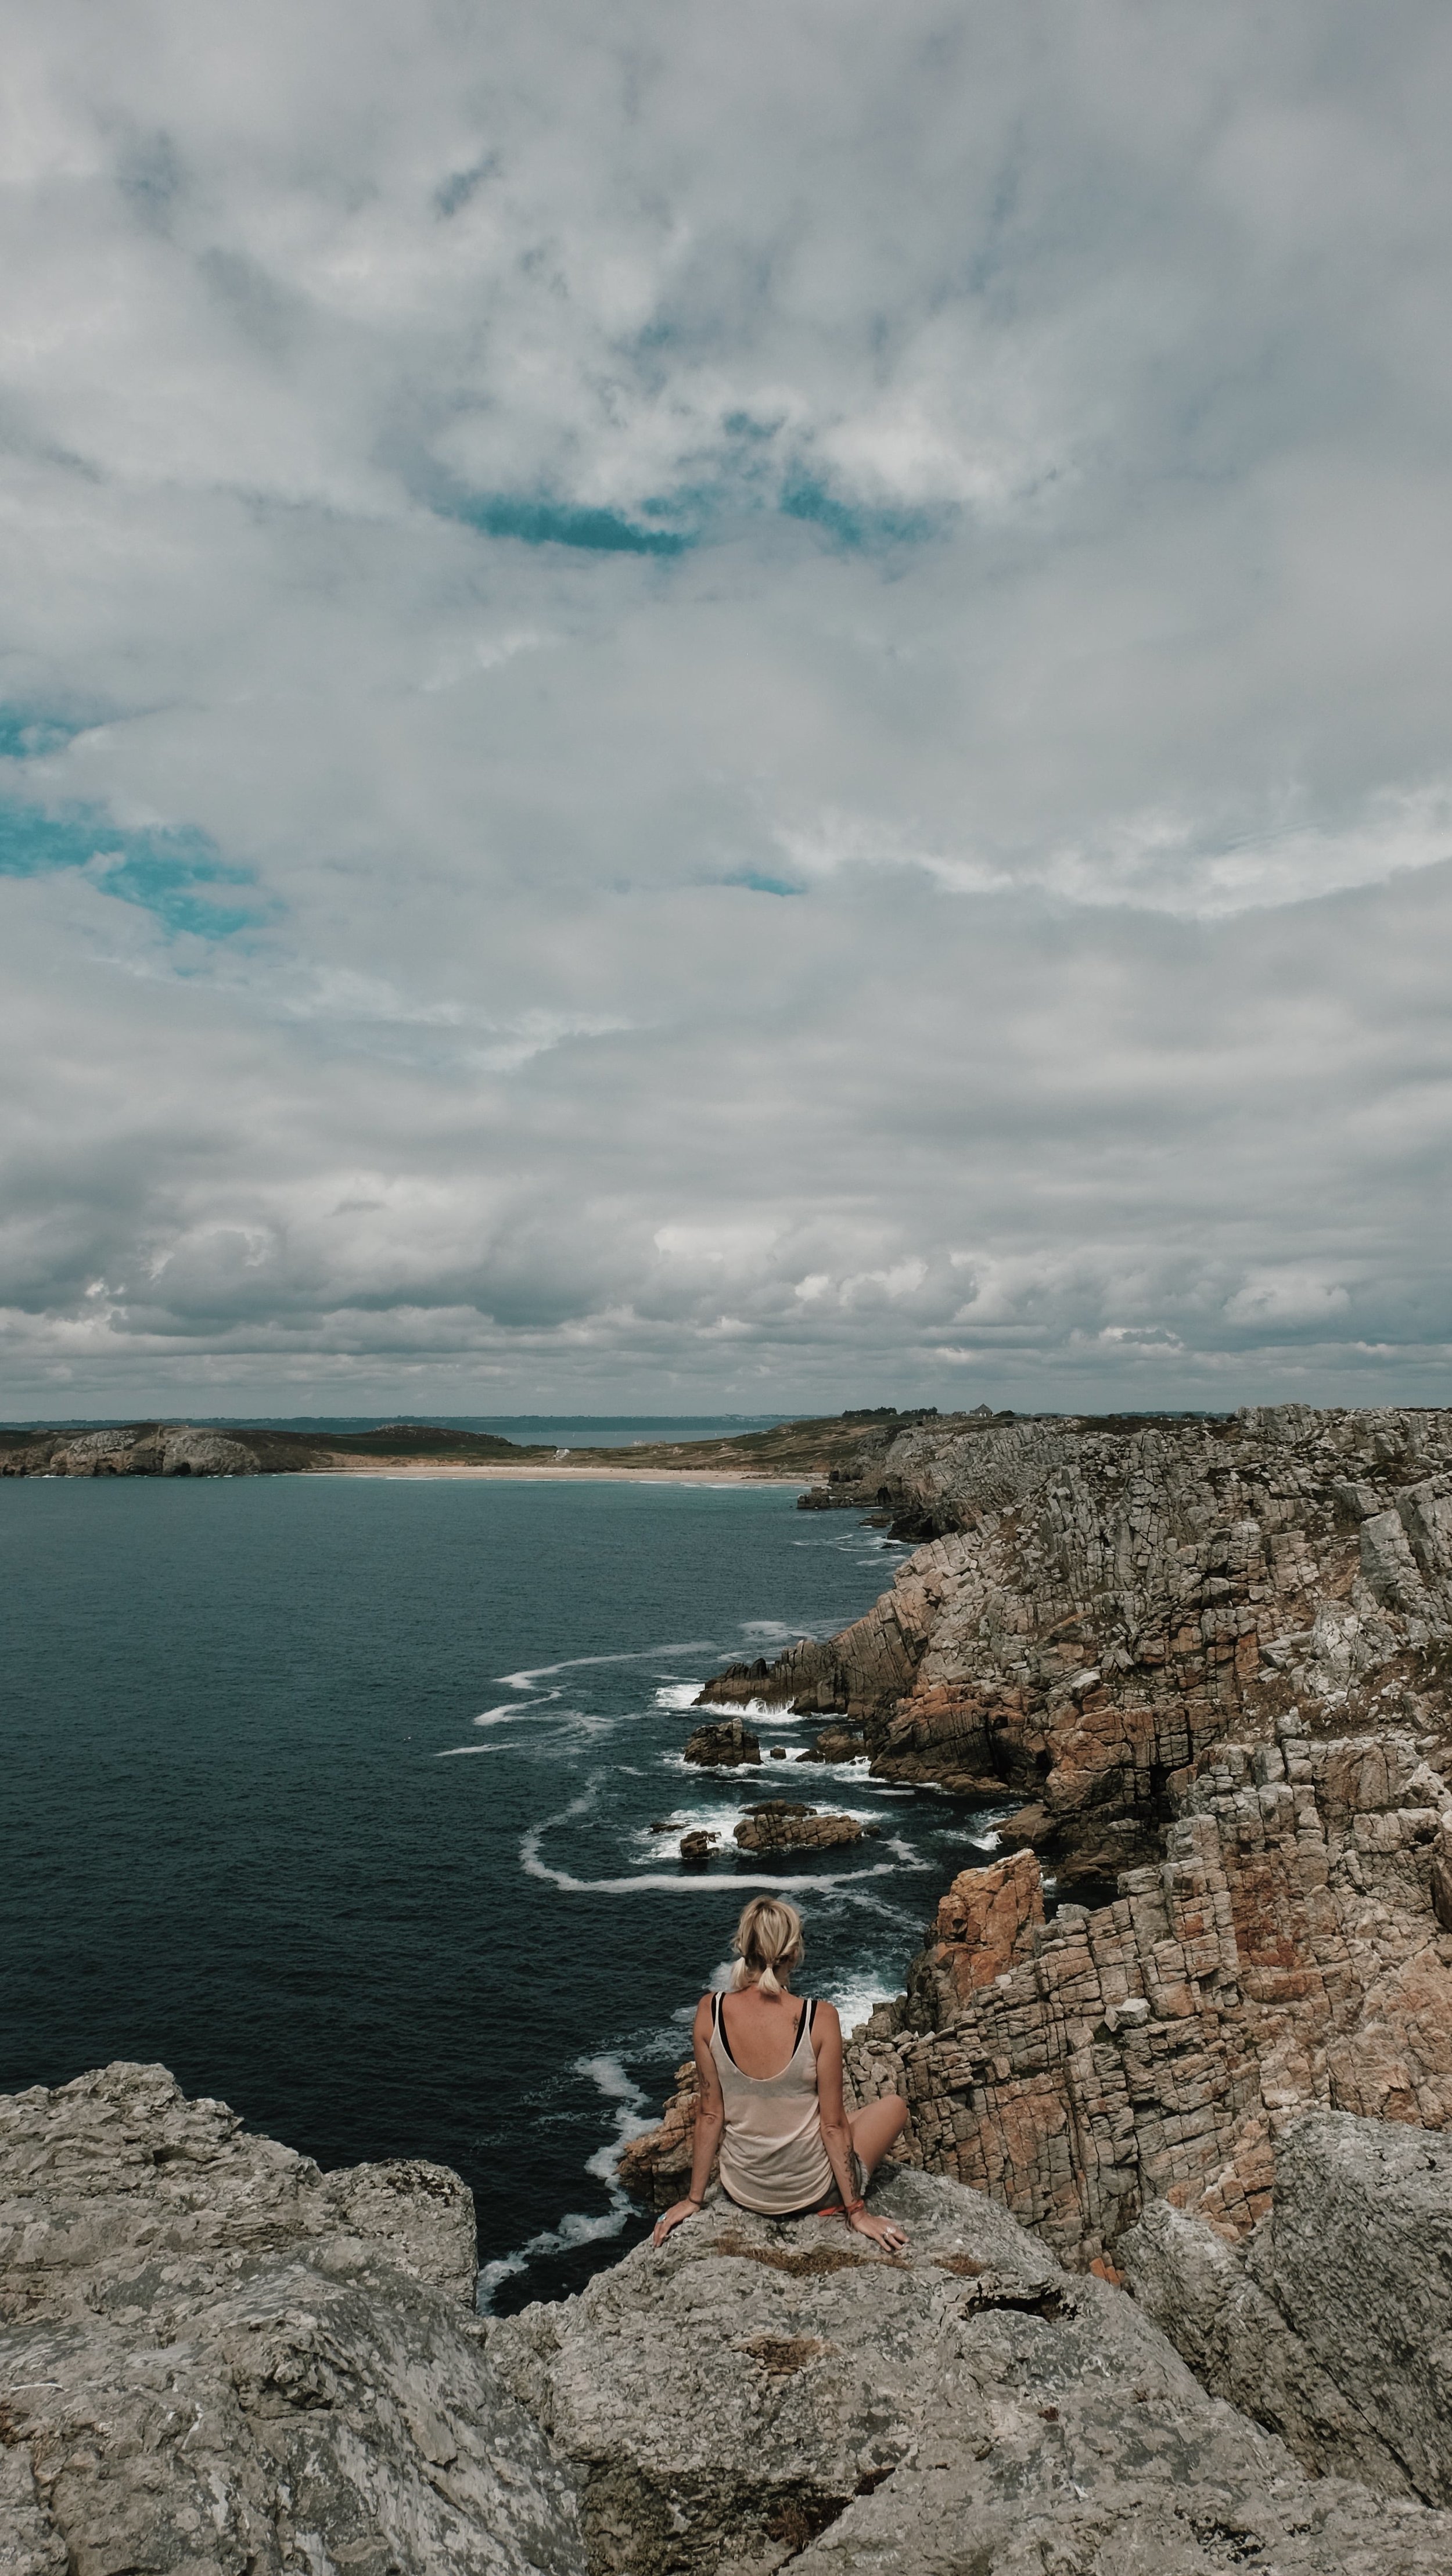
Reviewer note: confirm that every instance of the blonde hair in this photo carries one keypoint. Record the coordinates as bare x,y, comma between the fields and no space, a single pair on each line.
769,1938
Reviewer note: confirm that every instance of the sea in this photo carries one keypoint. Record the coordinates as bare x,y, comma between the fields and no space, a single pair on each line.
357,1801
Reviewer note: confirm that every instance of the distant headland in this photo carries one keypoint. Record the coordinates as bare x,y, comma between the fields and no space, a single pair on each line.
787,1453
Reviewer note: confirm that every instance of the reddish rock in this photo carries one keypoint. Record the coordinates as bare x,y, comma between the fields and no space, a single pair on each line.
982,1922
1213,1659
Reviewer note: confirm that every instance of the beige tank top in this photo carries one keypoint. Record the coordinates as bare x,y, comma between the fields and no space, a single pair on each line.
772,2155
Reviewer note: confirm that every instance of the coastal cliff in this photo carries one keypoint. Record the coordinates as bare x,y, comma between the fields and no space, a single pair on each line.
216,2361
1212,1660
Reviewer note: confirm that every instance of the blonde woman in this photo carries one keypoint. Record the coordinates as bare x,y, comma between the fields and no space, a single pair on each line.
771,2094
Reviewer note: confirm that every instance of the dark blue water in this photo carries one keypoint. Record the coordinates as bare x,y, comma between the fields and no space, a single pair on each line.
335,1794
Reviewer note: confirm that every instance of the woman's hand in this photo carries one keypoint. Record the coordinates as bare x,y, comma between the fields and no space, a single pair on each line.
678,2210
880,2231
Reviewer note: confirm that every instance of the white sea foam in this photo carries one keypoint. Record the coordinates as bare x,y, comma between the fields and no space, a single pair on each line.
632,2118
674,1883
511,1713
571,1663
855,1999
676,1695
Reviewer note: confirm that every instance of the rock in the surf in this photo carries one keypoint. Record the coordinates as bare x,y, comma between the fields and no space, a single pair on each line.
781,1825
835,1744
722,1746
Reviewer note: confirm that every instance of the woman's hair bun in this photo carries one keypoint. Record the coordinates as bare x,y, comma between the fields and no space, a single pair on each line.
769,1938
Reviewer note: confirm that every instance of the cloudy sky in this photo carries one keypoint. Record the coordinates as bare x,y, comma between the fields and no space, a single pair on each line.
736,705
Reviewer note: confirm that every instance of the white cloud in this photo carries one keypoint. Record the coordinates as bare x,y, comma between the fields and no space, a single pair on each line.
974,906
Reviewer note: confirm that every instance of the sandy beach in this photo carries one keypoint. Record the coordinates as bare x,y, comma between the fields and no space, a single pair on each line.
557,1473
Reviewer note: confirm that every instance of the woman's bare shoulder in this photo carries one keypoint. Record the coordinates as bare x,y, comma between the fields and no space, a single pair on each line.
826,2020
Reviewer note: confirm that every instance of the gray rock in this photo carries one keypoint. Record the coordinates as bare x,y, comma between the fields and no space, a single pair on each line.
765,2391
1235,2339
1333,2322
215,2358
1357,2257
721,1746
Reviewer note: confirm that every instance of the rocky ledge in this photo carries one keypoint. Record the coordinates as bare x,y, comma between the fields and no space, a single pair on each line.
216,2361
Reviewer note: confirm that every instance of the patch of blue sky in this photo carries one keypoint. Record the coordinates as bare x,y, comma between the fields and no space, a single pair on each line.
756,882
856,526
676,523
27,735
535,521
175,875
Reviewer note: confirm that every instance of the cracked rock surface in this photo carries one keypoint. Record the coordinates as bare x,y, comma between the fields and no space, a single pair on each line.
762,2393
216,2361
214,2358
1333,2321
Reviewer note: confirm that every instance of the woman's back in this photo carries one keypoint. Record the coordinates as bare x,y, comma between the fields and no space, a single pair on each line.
761,2030
773,2158
770,2097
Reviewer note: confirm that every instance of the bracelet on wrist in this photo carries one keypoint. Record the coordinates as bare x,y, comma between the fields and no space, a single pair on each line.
851,2207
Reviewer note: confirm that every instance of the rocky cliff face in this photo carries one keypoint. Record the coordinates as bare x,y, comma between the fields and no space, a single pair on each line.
215,2361
132,1449
1213,1659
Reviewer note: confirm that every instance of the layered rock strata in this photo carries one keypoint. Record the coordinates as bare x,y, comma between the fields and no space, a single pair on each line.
1214,1659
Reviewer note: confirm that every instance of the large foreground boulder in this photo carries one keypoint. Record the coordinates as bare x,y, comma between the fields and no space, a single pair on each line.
763,2391
1333,2321
217,2361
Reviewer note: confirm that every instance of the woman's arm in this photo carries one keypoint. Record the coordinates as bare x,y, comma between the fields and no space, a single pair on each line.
836,2135
710,2121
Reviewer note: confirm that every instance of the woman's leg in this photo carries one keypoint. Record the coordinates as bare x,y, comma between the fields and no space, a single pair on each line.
873,2129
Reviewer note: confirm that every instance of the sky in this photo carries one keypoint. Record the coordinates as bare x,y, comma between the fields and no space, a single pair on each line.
737,707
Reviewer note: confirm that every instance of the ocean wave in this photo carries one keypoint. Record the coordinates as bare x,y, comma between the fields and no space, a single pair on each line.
579,2227
526,1679
678,1695
512,1712
691,1883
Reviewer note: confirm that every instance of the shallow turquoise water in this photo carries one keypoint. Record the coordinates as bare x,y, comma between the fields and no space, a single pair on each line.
335,1795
